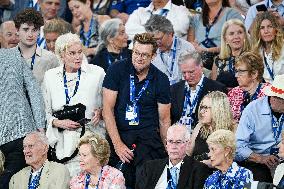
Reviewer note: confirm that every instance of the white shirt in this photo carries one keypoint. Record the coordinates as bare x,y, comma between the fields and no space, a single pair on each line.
277,66
162,182
178,15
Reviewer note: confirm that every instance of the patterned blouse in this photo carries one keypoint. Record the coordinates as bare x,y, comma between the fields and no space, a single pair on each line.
236,98
235,178
111,179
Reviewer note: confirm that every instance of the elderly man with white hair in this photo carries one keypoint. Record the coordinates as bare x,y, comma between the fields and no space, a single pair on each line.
178,170
40,173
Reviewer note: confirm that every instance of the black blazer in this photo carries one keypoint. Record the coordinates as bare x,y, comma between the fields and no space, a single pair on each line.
192,174
177,96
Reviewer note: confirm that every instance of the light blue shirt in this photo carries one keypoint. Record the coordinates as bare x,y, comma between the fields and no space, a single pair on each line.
252,12
165,64
254,132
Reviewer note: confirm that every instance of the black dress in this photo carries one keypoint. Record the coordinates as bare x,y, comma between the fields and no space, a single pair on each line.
200,150
104,58
226,71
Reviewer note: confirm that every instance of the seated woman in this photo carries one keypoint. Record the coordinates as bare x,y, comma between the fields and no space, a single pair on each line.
214,113
234,41
267,40
222,146
74,83
278,179
248,71
205,30
95,173
113,44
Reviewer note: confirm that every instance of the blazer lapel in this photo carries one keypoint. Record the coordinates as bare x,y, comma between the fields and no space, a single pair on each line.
43,182
26,177
184,174
180,97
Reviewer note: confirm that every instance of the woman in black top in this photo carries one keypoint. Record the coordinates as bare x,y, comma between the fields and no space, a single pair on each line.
113,44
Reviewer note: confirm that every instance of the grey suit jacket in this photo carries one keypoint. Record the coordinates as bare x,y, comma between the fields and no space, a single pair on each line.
21,100
54,176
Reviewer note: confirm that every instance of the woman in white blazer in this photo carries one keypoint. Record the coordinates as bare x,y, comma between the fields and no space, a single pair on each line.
75,81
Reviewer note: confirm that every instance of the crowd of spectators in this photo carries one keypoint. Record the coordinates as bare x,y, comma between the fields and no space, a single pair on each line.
125,94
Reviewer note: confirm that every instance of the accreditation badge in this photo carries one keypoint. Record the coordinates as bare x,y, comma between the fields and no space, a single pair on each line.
131,114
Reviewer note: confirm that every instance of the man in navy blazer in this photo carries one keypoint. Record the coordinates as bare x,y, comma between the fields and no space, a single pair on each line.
187,94
190,174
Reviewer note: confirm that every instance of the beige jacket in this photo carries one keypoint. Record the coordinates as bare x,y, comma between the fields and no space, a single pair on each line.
53,176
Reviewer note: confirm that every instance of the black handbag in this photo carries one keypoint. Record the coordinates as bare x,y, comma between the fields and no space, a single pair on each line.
75,113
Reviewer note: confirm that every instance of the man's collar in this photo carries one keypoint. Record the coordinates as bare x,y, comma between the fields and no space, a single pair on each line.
198,84
177,165
168,6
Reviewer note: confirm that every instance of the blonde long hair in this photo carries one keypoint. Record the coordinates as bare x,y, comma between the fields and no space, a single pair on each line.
225,50
222,117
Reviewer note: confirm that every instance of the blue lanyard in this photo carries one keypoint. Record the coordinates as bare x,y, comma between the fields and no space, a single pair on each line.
253,97
163,12
40,40
174,51
277,126
98,6
68,98
134,99
32,5
270,71
188,102
33,61
109,58
208,27
33,184
86,42
88,179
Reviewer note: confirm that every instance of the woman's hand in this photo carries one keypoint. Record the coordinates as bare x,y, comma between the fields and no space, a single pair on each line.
197,47
97,116
66,124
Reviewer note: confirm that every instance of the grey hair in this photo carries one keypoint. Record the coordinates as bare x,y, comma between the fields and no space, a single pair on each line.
158,23
41,136
183,127
2,161
4,23
190,55
63,42
109,29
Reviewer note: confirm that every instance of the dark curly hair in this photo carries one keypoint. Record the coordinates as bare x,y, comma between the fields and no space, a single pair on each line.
30,17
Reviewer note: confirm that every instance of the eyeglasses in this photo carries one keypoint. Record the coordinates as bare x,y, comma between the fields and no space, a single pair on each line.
144,56
177,142
159,38
240,72
204,108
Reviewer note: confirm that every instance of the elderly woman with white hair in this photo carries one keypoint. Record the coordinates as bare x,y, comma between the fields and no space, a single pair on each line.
222,148
73,97
113,44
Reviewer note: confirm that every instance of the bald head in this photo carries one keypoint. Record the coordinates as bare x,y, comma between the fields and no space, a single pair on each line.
8,35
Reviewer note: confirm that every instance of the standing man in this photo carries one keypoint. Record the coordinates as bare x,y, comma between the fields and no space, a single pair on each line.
170,47
22,110
186,95
259,132
42,173
136,107
8,35
28,23
178,170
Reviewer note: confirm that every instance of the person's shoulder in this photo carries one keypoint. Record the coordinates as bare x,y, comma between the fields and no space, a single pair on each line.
47,53
213,83
94,69
178,84
22,172
55,166
112,170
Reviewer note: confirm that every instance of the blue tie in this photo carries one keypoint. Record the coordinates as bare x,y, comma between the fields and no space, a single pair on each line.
172,184
163,12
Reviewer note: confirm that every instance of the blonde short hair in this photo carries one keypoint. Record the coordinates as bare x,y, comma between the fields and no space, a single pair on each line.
100,148
224,138
63,42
